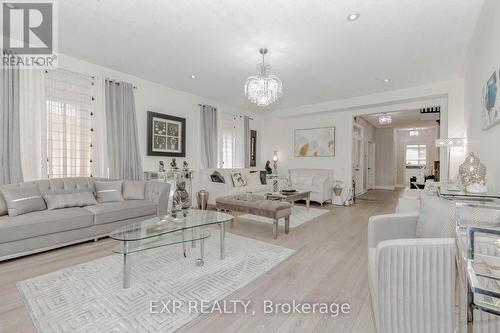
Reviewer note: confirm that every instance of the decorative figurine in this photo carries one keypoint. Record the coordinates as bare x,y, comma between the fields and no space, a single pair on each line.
185,166
161,167
180,198
268,168
473,175
173,165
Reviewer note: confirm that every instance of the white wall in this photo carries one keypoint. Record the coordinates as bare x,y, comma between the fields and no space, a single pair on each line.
150,96
483,59
278,127
384,158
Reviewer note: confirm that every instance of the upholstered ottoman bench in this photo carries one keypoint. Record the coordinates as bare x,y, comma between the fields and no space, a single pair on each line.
257,205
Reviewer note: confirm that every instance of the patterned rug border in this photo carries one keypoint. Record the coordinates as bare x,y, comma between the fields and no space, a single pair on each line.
193,321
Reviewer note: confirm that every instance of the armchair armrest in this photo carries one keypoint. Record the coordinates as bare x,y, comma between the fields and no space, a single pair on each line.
159,193
391,226
415,285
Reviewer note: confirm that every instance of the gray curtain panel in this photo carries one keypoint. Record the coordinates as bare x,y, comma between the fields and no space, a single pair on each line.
208,136
123,143
246,129
10,140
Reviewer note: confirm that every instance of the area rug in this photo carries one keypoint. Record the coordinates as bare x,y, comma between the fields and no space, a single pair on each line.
89,297
300,215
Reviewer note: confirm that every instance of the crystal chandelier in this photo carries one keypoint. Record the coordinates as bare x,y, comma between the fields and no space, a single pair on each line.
263,89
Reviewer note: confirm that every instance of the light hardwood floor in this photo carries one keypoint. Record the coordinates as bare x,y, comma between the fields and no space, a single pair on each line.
330,265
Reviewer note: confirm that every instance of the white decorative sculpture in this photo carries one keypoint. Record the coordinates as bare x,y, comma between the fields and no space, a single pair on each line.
473,175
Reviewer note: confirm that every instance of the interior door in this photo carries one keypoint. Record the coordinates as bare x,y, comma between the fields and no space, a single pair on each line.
371,165
357,158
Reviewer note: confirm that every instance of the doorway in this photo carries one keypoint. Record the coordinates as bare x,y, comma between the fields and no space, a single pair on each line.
357,159
370,166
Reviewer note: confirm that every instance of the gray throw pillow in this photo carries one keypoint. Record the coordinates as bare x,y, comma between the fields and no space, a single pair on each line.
134,189
22,200
437,217
78,199
108,191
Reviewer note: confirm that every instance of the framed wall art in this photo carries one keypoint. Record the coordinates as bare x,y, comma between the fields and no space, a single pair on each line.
315,142
166,135
491,101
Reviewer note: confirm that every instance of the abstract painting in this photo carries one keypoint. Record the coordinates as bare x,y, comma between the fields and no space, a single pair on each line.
315,142
166,135
491,101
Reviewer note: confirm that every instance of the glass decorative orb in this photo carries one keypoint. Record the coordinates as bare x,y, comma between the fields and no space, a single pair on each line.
472,171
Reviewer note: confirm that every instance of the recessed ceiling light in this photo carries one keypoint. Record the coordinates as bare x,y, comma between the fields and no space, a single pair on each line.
193,76
353,17
387,80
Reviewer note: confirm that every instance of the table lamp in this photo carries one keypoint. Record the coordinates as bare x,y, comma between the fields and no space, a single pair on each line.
275,160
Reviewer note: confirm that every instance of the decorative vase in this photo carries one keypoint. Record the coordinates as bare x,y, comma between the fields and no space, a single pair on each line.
180,199
202,197
473,175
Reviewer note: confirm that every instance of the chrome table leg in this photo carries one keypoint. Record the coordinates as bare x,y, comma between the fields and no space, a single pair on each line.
201,260
222,240
275,228
193,235
126,266
287,224
184,243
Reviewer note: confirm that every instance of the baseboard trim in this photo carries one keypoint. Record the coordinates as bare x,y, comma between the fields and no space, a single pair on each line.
389,188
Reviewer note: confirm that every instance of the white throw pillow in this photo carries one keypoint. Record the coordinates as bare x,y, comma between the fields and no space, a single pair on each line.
254,178
437,217
65,200
107,191
238,180
319,180
305,181
22,200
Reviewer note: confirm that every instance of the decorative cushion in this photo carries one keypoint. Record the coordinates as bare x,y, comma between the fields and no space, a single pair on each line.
254,178
437,218
22,200
108,191
307,181
79,199
3,206
262,176
319,180
238,180
134,189
217,177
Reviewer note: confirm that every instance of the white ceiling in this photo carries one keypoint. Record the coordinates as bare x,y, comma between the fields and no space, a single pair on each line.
401,119
318,54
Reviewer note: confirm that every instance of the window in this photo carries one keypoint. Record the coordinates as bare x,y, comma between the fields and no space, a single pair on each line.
228,148
416,155
69,103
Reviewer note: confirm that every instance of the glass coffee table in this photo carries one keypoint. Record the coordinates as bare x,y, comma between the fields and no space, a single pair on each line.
291,197
180,228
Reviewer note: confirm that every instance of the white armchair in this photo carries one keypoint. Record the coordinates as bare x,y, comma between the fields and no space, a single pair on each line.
412,280
318,181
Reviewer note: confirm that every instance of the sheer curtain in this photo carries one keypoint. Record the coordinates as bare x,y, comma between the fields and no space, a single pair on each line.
33,124
69,102
122,136
10,146
208,136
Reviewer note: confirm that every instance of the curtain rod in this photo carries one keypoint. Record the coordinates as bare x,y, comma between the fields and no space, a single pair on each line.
118,82
199,104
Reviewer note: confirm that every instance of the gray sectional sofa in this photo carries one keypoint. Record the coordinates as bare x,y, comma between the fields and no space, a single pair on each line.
46,229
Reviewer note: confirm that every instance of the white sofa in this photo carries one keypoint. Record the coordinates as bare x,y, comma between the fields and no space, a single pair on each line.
412,280
216,190
318,181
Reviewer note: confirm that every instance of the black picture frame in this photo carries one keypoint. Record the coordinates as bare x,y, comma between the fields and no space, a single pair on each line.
165,133
253,148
